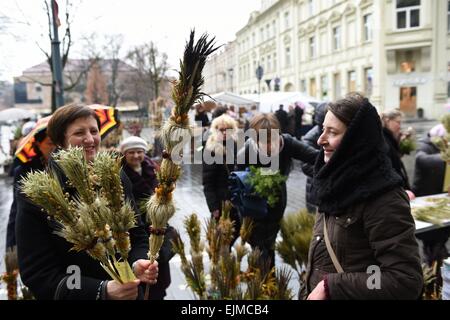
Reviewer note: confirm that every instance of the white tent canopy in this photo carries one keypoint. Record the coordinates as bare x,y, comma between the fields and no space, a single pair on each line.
15,114
270,101
232,99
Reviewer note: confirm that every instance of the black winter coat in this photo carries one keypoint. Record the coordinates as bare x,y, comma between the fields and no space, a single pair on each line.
368,218
143,187
429,170
45,258
215,183
308,169
20,171
265,230
291,149
395,156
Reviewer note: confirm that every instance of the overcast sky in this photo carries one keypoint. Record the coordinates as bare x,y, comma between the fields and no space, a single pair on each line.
165,22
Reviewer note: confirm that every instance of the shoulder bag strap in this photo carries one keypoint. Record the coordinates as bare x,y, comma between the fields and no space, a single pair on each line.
330,250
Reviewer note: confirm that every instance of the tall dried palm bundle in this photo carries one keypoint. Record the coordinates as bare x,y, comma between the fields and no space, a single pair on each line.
227,280
175,133
296,233
11,274
283,277
95,219
194,278
432,287
246,229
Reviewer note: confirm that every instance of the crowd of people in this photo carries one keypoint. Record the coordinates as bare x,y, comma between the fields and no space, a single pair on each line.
357,187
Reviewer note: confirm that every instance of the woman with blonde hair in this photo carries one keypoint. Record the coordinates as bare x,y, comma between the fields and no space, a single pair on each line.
392,125
222,140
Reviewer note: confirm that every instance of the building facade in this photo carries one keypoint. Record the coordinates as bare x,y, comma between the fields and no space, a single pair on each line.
219,72
397,52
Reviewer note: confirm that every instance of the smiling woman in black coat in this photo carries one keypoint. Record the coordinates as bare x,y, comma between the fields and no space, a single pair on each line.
47,265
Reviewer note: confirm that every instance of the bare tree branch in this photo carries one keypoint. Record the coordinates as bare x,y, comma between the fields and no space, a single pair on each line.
47,9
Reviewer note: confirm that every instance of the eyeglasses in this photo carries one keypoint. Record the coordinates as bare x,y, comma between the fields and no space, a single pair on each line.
223,129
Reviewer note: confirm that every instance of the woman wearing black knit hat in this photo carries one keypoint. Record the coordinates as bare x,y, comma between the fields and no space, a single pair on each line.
363,245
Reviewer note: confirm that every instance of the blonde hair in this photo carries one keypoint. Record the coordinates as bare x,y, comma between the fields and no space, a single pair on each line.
390,115
213,142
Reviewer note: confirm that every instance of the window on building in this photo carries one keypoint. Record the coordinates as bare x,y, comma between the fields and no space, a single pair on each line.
336,38
261,34
303,85
274,62
269,63
368,81
311,7
351,34
312,87
268,31
408,14
274,28
407,64
368,25
253,39
263,64
324,87
287,57
337,85
312,48
351,81
448,17
448,89
287,20
323,43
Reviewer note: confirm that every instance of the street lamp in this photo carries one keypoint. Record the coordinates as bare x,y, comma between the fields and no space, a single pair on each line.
230,75
259,75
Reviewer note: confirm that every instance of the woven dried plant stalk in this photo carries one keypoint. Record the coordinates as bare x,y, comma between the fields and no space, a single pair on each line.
175,133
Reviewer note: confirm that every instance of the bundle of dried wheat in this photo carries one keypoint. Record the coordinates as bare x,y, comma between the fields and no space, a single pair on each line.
96,218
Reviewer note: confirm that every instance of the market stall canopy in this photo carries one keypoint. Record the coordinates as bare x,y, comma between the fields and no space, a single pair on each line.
232,99
270,101
15,114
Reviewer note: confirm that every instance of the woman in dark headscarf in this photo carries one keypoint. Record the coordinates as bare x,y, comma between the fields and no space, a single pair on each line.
363,244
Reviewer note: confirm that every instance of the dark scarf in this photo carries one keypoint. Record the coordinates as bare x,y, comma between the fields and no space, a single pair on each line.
395,156
143,184
358,170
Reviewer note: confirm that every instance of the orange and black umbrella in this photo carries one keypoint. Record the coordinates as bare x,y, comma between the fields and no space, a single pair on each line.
108,122
108,118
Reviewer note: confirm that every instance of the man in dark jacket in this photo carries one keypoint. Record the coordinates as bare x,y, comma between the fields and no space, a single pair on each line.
283,119
311,139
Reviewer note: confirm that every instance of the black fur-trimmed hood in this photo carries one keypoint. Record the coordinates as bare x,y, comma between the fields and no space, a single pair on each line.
359,169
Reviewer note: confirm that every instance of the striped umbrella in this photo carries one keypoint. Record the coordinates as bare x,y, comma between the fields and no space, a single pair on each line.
108,122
